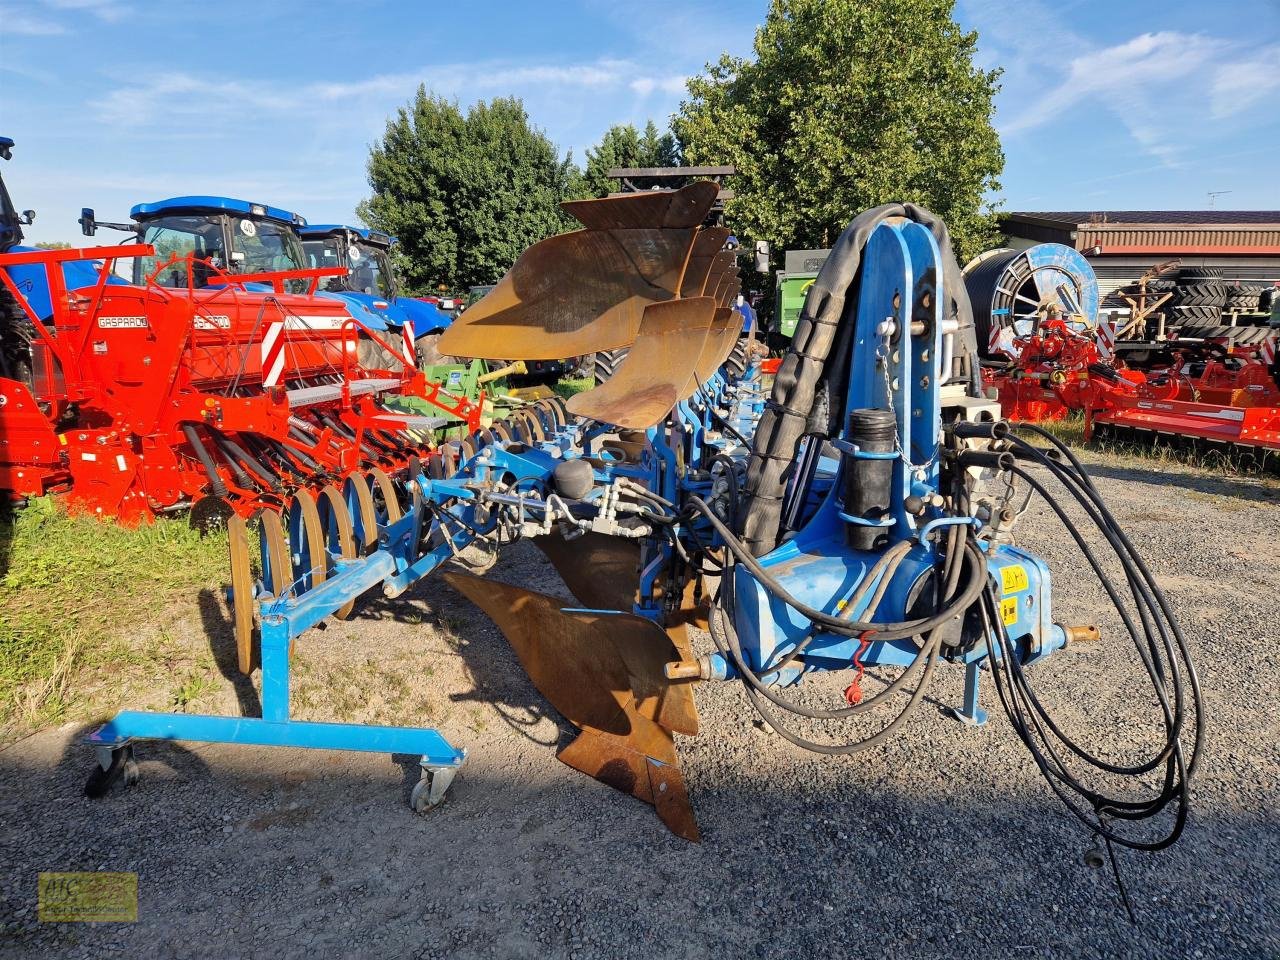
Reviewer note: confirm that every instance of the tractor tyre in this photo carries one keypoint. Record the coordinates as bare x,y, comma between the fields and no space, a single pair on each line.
427,352
374,356
606,362
1198,314
1198,274
1210,293
16,334
1245,300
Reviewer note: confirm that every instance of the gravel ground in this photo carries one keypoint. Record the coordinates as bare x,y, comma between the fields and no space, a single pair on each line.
946,843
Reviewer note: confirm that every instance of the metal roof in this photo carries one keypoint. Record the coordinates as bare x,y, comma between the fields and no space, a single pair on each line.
315,230
207,204
1182,217
1152,232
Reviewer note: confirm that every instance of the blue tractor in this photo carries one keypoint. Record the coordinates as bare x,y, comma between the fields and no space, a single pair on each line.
231,235
16,330
239,237
370,283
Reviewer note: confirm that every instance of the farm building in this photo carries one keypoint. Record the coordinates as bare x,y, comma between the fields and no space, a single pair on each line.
1123,244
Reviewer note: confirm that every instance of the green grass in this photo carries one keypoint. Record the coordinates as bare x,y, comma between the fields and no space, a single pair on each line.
574,385
74,591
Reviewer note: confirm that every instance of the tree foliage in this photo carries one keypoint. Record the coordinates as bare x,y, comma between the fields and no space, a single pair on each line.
465,193
624,146
849,104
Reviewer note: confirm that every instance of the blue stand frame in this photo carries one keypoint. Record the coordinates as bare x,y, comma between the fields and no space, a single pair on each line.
281,622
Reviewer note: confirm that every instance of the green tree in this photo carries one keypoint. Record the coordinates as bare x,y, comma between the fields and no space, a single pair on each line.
849,104
53,245
624,146
464,193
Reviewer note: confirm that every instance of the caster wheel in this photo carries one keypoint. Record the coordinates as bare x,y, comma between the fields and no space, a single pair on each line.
122,769
429,791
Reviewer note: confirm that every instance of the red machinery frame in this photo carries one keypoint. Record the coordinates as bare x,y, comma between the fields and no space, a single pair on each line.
131,381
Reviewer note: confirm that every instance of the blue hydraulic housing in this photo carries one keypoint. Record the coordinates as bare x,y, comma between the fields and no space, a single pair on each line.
900,347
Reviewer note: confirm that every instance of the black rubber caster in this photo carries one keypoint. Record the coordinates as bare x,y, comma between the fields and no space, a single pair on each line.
122,769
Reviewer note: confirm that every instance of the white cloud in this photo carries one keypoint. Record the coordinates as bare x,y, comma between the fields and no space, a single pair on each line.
23,25
173,95
1121,75
108,11
1239,85
1152,83
167,96
647,85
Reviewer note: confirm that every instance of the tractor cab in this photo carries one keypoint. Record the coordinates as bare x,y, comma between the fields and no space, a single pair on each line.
222,233
364,253
11,222
370,280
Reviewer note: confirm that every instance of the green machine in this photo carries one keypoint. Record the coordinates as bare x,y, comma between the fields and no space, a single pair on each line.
791,286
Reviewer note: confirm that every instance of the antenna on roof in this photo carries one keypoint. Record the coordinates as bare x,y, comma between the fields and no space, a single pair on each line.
1215,194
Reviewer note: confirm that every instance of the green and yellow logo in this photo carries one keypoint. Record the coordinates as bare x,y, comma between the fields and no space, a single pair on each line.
72,897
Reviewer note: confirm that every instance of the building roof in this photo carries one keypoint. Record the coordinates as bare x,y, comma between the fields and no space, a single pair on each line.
1152,232
1189,217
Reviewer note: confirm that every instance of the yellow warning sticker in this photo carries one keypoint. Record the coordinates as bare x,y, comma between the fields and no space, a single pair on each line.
1009,611
1013,579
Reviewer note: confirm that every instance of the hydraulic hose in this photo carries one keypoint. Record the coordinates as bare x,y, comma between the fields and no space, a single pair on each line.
977,563
1159,644
216,486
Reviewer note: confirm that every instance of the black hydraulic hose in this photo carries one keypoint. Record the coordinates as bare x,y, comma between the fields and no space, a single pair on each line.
233,464
1032,721
1173,719
735,484
843,712
1061,782
269,456
348,435
756,691
728,427
851,628
880,574
249,462
303,457
216,486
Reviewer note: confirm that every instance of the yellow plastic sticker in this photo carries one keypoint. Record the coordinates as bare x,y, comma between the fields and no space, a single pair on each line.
1013,579
1009,611
81,897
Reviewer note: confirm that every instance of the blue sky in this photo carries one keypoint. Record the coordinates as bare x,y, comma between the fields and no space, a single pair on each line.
1127,104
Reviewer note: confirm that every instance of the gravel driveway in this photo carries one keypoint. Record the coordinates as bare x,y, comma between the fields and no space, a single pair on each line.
946,843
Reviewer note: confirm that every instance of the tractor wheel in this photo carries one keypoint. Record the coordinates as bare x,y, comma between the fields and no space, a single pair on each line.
1198,274
16,334
426,349
1211,293
607,362
1201,314
374,356
1246,300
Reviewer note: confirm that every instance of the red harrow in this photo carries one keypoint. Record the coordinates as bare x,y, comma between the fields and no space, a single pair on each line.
227,401
1202,392
1221,398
